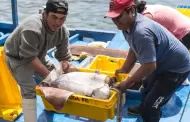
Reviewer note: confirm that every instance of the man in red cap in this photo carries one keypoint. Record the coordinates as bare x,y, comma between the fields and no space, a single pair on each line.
165,61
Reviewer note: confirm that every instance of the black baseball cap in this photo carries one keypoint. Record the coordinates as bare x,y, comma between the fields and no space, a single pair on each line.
57,6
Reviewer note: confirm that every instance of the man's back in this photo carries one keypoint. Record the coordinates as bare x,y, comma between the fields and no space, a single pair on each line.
177,23
170,54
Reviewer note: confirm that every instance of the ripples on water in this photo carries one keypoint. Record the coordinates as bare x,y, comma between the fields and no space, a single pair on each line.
82,13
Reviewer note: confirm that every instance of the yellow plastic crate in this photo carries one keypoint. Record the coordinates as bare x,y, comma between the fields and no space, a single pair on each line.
106,63
184,10
10,98
88,107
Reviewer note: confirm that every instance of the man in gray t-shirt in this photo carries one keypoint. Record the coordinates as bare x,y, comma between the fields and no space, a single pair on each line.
27,46
165,61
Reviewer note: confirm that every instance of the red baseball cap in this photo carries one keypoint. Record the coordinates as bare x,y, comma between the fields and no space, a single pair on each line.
117,6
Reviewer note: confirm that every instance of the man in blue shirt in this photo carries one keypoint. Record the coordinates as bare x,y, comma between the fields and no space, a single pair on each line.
165,61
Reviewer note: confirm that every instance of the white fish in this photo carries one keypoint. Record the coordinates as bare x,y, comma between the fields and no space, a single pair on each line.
83,83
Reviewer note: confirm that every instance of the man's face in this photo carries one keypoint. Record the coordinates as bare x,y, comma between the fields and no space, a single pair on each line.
55,20
124,20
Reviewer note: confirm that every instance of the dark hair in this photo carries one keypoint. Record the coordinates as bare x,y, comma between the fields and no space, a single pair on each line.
140,6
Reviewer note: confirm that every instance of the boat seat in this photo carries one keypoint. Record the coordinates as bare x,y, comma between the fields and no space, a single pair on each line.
118,42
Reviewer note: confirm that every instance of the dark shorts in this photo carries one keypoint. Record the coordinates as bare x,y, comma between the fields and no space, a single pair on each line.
158,89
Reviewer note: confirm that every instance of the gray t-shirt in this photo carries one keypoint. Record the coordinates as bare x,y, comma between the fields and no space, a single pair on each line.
32,38
152,42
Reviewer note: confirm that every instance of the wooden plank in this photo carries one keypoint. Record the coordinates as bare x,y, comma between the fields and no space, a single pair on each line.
93,51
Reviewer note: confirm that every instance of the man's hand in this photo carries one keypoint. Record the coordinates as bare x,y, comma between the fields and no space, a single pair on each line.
39,67
121,70
67,67
125,85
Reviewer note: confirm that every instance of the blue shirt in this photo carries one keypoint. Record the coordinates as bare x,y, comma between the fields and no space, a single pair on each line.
152,42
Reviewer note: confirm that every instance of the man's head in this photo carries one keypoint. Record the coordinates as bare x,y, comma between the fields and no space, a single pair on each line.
122,13
55,13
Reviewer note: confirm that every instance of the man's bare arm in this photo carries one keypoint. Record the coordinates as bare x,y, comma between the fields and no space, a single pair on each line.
129,62
39,67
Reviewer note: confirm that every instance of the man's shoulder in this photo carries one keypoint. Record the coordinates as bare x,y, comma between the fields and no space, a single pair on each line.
142,23
144,30
33,23
146,26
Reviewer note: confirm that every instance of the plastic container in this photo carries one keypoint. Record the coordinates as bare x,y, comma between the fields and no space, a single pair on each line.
10,98
106,63
88,107
110,64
